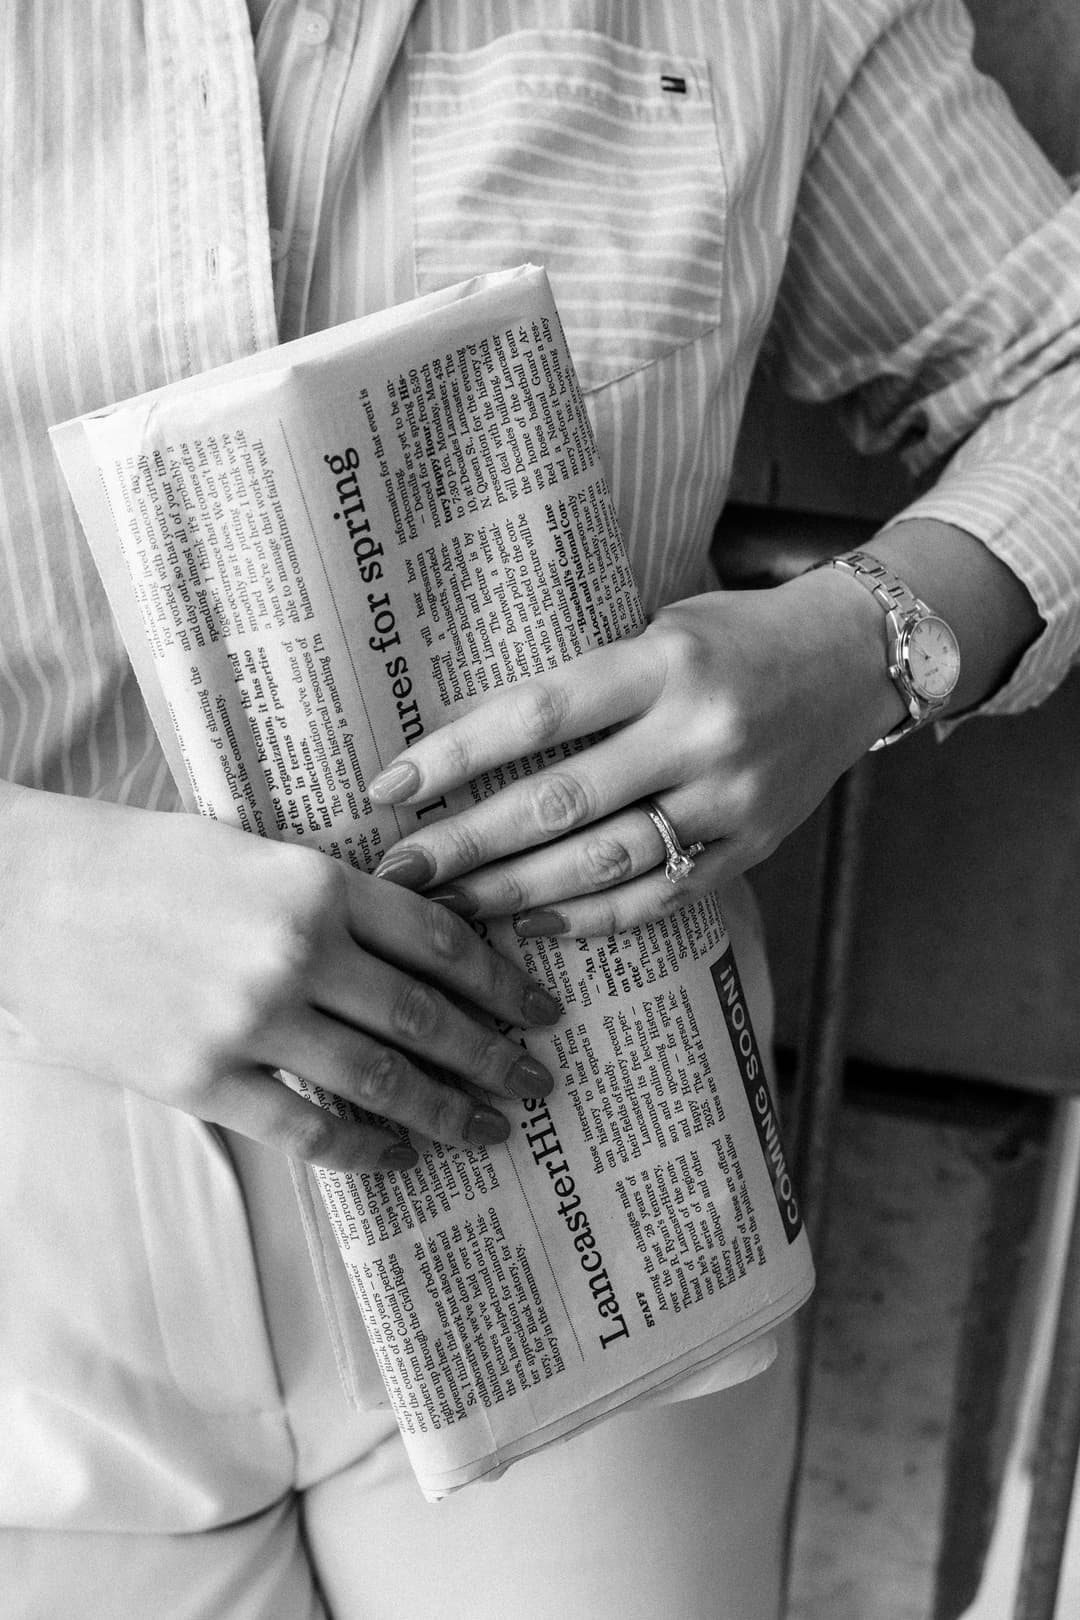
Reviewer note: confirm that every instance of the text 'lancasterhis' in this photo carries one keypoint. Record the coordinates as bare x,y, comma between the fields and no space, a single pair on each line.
543,1140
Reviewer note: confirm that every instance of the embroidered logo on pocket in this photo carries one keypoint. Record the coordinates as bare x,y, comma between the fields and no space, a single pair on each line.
598,160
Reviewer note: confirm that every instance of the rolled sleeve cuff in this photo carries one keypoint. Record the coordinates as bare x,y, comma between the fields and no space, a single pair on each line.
1030,518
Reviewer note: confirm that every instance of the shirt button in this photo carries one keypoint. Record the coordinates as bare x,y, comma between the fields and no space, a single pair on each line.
315,29
279,244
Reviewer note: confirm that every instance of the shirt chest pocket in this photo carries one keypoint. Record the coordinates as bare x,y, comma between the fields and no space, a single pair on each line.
598,160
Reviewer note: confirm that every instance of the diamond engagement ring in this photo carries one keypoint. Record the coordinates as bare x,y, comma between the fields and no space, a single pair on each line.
680,861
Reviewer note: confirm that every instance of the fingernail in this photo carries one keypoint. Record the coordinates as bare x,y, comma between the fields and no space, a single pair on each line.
532,924
455,900
399,1157
411,868
397,782
538,1007
529,1079
487,1126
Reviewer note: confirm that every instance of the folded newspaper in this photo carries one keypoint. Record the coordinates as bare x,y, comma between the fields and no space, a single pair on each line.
315,555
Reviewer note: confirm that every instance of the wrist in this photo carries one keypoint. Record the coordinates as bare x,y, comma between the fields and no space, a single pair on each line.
922,651
849,629
960,578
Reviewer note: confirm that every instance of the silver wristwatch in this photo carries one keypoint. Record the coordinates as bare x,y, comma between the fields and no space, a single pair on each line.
922,651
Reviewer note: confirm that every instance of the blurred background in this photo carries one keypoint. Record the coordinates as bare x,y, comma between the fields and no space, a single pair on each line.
957,1142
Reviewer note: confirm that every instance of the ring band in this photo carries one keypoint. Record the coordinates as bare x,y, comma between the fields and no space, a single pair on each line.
680,861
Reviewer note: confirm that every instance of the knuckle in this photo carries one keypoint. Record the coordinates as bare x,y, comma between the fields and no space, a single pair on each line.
560,803
416,1011
605,919
489,1060
508,895
729,734
243,1010
722,729
291,943
499,983
457,752
743,801
307,880
382,1080
290,952
606,861
448,938
312,1137
541,711
455,943
273,987
467,850
445,1114
683,648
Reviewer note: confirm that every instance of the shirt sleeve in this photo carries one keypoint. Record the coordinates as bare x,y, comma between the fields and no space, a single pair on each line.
933,286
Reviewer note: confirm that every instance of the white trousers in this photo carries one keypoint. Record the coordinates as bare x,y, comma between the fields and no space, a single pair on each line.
175,1443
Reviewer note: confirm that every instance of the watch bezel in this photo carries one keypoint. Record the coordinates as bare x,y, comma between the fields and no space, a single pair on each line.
923,703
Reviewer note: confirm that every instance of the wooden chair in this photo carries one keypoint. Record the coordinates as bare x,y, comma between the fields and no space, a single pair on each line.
760,547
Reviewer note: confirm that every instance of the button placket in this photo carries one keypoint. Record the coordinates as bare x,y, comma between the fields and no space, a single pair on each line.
304,88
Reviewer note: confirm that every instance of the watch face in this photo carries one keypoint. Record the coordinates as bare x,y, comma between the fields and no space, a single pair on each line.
931,658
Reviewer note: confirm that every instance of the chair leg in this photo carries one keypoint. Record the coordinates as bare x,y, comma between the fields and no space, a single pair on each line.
820,1076
820,1080
1058,1451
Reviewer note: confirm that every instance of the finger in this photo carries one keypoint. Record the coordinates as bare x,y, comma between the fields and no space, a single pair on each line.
384,1082
381,1007
612,850
537,810
258,1104
645,899
431,943
445,1078
597,690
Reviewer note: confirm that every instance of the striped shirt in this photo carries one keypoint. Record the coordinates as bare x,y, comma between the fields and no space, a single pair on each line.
826,183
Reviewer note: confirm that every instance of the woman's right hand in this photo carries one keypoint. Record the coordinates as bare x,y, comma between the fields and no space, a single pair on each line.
190,961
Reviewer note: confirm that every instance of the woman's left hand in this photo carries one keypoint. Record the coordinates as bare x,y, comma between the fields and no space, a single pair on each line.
734,711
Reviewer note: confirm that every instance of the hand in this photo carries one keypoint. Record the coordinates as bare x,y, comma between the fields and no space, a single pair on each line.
735,711
190,961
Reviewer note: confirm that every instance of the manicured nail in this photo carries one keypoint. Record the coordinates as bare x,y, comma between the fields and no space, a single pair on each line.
538,1007
533,924
399,1157
529,1079
411,868
487,1126
455,900
397,782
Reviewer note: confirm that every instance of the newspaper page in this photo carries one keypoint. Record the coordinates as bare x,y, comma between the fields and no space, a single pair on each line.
316,555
